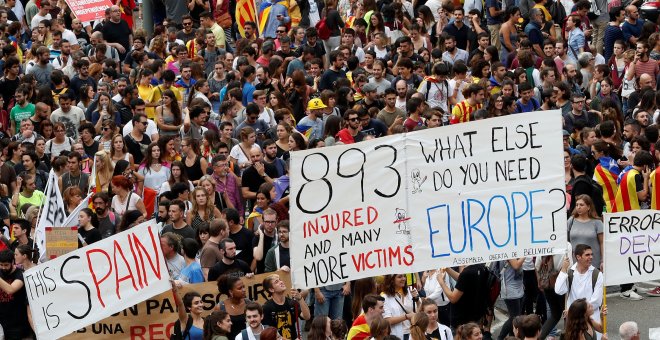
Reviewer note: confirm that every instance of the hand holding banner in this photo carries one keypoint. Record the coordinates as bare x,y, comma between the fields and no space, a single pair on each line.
94,282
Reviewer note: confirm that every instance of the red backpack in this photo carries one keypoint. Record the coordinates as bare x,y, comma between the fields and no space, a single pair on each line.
323,29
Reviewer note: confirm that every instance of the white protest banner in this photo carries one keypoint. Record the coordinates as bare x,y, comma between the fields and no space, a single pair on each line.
469,193
631,242
94,282
72,220
52,214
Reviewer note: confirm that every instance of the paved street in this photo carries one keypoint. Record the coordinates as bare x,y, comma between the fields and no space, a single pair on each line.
644,312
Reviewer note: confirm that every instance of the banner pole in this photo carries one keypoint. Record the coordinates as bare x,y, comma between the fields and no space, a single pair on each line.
604,306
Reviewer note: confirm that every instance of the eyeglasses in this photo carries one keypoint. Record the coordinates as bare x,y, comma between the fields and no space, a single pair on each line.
106,129
143,122
269,222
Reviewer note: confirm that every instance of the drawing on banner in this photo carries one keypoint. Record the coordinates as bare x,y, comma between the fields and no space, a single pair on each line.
477,192
402,221
417,181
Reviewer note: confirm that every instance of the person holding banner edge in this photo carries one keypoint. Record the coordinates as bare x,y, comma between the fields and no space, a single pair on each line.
190,325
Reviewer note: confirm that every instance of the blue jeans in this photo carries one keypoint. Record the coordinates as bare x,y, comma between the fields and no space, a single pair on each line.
333,306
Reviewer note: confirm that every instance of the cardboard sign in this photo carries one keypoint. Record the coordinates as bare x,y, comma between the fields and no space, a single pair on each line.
60,241
87,285
457,195
89,10
631,240
154,318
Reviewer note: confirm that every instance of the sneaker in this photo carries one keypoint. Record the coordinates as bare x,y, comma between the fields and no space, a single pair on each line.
640,289
631,295
654,292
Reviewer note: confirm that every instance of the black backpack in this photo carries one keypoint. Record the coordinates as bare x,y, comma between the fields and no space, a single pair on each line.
177,335
596,192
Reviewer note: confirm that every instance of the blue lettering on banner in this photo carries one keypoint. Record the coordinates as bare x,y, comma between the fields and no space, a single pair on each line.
478,224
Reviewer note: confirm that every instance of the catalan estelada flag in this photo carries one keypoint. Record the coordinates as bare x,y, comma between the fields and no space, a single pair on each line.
655,192
626,197
607,180
246,10
360,329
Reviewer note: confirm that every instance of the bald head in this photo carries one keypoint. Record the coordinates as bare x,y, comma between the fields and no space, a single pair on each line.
630,9
645,80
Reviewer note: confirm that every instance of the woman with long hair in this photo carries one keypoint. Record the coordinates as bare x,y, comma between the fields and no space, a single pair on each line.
332,127
105,110
235,303
125,199
25,256
216,199
579,324
284,130
119,151
108,129
496,106
87,95
379,328
71,197
203,211
152,169
210,144
320,328
334,23
60,143
168,147
276,101
491,54
508,34
88,228
217,326
240,154
298,94
46,130
468,331
585,227
262,203
201,90
418,325
194,164
177,175
406,299
191,307
168,115
377,25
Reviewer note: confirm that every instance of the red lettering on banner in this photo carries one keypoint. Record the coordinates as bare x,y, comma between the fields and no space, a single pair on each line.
137,265
153,331
97,282
383,258
118,280
143,251
336,221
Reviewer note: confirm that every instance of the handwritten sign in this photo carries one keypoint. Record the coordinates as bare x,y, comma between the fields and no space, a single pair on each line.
52,214
632,243
94,282
154,318
89,10
60,241
469,193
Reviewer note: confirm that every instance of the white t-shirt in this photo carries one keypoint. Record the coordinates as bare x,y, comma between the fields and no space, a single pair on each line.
120,207
152,129
241,156
36,19
71,120
70,37
393,309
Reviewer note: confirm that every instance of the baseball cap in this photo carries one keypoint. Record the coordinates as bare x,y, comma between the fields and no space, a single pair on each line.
369,87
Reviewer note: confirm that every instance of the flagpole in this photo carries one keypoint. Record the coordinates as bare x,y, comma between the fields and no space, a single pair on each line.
43,199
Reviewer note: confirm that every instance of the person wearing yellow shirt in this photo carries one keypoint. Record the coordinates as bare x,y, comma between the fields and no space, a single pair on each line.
145,91
208,23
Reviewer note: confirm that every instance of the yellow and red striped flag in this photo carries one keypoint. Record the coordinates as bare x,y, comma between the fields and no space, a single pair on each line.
246,10
607,180
655,185
626,197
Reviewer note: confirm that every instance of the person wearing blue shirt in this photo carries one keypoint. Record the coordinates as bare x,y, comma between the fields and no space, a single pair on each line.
632,27
249,74
494,14
277,14
192,272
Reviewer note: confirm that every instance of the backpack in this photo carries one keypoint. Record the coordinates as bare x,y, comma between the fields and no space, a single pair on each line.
596,192
557,12
177,335
547,273
428,88
594,278
494,285
323,29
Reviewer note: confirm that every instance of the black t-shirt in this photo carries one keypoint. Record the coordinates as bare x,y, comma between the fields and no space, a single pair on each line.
136,148
185,232
91,150
375,128
107,225
90,236
283,317
268,243
243,240
13,309
237,269
471,307
117,33
253,181
7,90
329,78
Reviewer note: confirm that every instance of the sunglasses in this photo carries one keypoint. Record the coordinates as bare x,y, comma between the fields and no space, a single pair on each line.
280,31
354,119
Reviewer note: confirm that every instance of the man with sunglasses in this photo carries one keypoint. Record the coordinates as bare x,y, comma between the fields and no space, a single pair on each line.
136,141
351,133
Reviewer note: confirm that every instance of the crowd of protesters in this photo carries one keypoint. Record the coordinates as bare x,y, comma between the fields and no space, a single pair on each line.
192,122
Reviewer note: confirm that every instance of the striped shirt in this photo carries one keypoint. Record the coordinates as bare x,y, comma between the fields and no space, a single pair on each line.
462,111
650,67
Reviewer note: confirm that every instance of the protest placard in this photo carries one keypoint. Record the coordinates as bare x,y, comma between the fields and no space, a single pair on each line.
52,214
631,242
155,317
89,10
60,241
94,282
469,193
